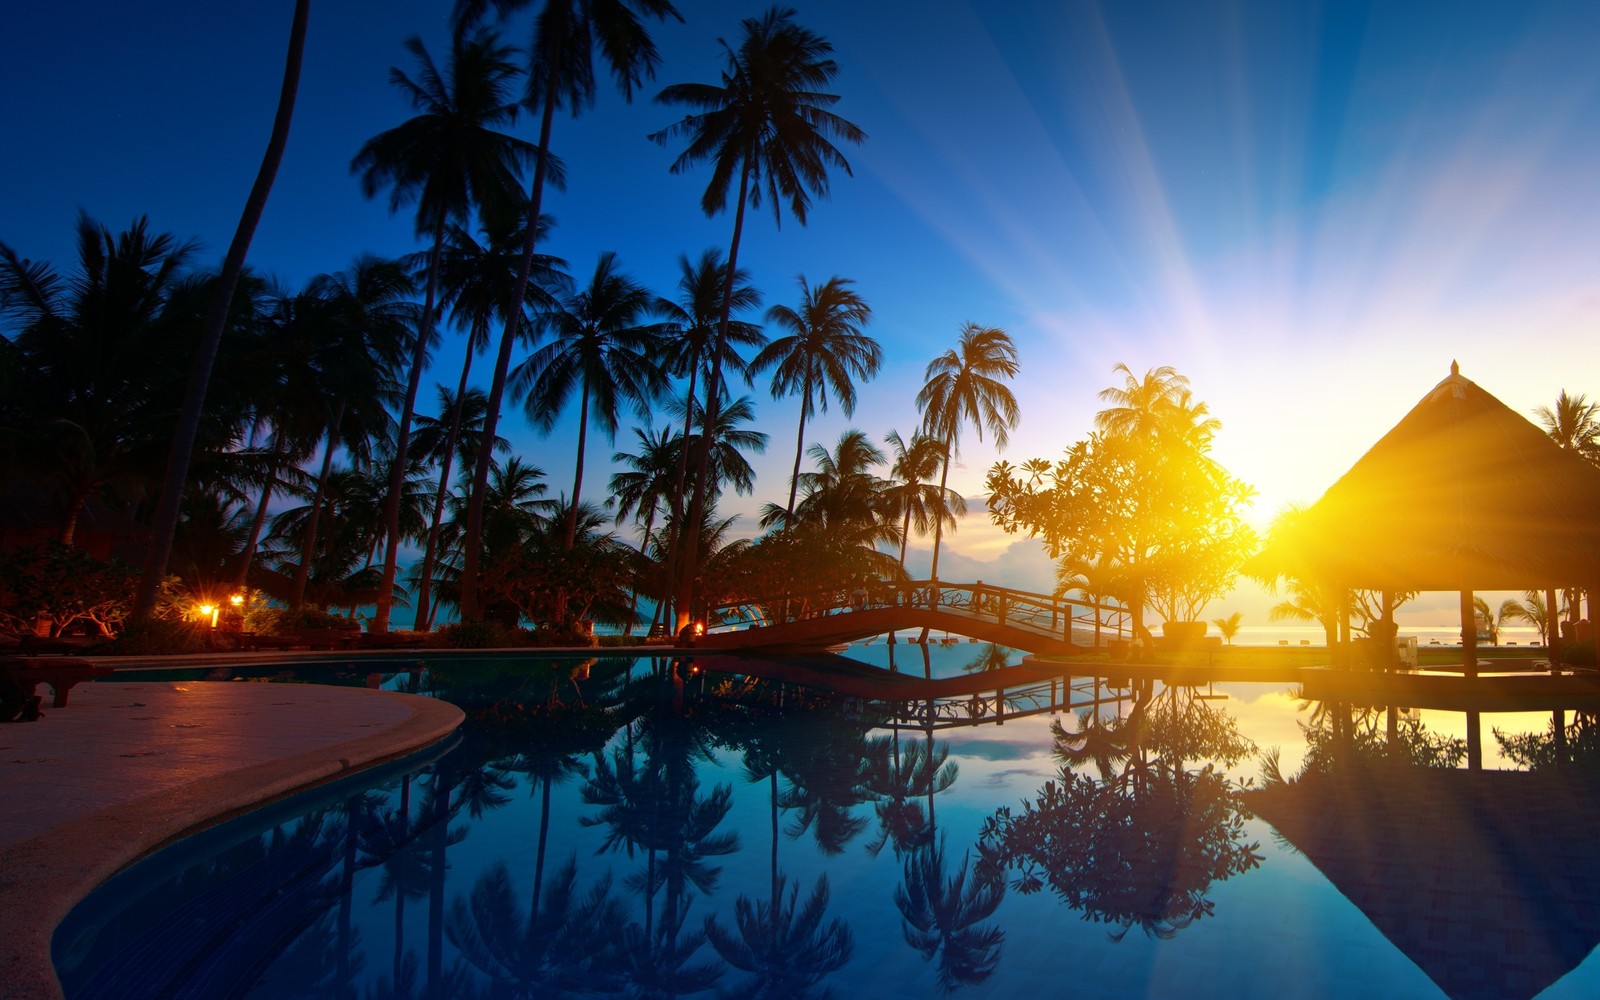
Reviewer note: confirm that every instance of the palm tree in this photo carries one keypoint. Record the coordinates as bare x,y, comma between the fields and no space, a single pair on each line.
967,384
787,950
603,350
768,122
824,349
1229,626
476,281
941,916
1141,406
641,488
561,72
1532,609
911,466
697,315
842,498
93,350
447,159
1574,424
188,426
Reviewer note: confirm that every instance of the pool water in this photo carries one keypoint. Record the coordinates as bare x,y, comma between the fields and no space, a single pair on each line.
637,827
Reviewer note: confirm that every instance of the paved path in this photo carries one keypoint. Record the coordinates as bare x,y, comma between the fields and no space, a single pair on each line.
129,766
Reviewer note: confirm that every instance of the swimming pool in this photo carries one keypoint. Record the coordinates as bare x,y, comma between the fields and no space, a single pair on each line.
634,827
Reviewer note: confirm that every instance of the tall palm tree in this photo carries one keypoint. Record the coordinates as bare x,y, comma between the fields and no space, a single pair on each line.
603,349
476,281
1574,424
448,158
768,122
188,426
697,316
909,492
824,349
561,73
842,497
1532,609
967,384
641,488
1141,406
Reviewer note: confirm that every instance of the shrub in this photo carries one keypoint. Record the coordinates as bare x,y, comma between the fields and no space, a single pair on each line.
160,637
479,635
563,635
1579,653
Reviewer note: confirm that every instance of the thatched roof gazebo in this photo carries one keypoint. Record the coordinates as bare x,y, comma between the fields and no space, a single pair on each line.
1463,494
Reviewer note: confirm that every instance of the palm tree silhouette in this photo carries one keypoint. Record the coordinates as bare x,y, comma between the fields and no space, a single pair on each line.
447,159
898,777
911,466
1573,423
604,350
188,426
786,949
476,282
561,72
824,349
967,384
941,916
768,122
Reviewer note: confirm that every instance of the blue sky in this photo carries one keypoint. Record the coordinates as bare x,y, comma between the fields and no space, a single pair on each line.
1308,209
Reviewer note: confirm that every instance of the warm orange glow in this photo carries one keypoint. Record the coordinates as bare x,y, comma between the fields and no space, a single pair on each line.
236,600
209,611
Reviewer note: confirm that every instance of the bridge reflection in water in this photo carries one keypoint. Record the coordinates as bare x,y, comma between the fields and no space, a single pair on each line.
989,697
812,621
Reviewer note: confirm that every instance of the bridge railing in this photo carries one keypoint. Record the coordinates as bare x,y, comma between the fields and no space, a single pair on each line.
1045,614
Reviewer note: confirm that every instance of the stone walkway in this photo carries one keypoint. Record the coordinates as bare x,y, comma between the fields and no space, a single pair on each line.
129,766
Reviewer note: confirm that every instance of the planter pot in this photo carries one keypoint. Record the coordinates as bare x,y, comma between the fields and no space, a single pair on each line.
1184,631
1118,648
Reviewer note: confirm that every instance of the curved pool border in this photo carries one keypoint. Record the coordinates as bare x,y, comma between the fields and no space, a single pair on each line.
44,876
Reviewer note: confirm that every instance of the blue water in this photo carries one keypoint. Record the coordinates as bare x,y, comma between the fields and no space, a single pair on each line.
641,799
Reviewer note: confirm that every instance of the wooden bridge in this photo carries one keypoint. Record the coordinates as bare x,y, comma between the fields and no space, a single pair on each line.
807,622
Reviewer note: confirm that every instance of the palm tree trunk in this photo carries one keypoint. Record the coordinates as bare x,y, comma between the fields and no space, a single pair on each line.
670,569
938,512
473,543
577,475
302,573
905,536
248,553
402,443
702,487
538,860
800,443
166,522
69,524
430,551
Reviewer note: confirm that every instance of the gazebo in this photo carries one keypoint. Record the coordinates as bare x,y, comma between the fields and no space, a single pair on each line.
1463,494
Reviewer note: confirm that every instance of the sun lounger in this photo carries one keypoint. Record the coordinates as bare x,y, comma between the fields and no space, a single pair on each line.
21,675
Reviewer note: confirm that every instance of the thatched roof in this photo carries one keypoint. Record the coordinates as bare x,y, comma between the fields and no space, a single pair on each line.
1463,494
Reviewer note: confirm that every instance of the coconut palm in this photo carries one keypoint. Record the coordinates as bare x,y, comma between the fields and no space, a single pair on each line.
787,950
768,122
561,73
911,466
943,916
824,349
476,282
842,497
967,384
448,158
1142,406
604,350
1229,626
1573,423
1532,609
696,316
188,425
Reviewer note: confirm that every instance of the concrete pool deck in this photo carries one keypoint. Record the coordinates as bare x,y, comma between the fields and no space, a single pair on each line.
129,766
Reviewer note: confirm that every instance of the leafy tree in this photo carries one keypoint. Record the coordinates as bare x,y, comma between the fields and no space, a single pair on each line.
909,491
967,384
1142,495
64,584
770,123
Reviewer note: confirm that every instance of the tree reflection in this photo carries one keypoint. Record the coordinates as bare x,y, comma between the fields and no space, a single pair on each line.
1141,845
1338,732
898,777
1563,744
786,949
567,945
942,916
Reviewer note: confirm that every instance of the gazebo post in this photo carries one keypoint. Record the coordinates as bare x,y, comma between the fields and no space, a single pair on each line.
1552,627
1469,635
